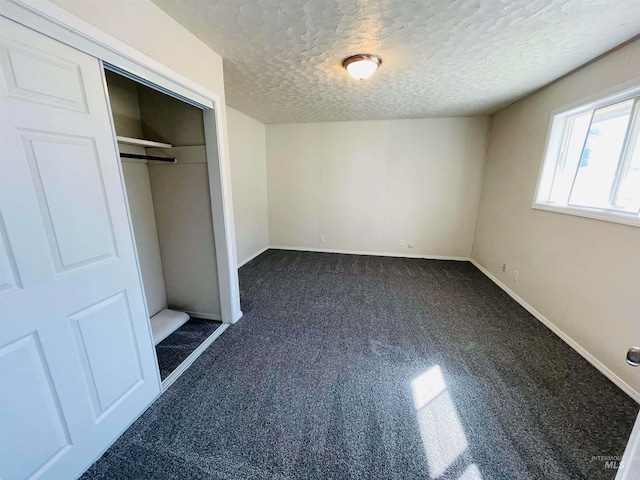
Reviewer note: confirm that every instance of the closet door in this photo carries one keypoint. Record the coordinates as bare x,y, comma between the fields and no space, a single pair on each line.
77,363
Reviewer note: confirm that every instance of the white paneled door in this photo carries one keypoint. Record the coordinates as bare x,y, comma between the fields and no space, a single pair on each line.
77,363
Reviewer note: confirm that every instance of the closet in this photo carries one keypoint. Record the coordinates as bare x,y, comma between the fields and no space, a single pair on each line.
161,143
78,363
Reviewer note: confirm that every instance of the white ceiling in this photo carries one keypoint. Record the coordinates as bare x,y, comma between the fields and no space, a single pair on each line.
282,58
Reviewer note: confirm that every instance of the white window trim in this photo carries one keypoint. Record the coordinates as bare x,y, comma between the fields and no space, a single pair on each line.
619,93
607,216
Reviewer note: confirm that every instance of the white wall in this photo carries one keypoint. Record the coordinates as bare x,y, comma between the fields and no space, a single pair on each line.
368,185
136,177
167,119
147,28
583,275
125,107
185,231
249,182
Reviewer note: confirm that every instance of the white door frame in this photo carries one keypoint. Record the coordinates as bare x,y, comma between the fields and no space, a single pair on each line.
629,465
60,25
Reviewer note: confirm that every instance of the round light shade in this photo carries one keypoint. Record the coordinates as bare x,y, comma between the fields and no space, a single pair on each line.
361,66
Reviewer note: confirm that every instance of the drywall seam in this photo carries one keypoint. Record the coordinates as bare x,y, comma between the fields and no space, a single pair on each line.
323,155
624,386
386,189
266,180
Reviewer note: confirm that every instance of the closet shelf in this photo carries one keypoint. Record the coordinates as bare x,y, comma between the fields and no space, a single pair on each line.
142,143
148,157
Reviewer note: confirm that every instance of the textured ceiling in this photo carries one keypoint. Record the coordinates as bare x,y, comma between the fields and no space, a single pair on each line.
282,58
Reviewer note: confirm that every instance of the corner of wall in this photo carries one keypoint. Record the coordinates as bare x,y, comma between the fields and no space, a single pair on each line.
482,191
247,143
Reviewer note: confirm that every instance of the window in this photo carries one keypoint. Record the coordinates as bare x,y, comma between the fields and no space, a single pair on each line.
592,163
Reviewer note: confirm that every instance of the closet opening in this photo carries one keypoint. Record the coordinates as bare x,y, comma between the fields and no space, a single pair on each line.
161,140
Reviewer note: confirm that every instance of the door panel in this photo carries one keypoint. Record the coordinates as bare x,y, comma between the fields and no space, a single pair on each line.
104,335
77,363
25,67
24,373
70,192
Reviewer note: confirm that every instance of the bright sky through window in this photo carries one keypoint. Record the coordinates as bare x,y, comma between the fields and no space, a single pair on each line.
592,162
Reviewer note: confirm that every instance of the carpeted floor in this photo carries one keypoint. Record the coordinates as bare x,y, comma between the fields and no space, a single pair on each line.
376,368
174,349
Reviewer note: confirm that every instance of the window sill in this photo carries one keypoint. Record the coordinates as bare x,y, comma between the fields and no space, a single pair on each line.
594,214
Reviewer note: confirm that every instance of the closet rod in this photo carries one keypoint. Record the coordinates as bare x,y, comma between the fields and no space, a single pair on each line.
148,157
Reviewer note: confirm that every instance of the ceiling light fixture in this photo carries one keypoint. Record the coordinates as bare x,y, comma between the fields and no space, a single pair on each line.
361,66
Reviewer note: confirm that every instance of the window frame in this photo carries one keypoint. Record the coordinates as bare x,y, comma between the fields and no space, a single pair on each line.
556,141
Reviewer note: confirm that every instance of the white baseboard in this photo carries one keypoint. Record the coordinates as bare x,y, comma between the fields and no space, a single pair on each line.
376,254
204,316
624,386
247,260
173,376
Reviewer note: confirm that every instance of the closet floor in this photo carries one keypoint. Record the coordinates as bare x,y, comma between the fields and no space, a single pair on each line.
174,349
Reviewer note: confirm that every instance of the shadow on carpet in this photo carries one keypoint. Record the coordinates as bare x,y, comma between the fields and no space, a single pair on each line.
174,349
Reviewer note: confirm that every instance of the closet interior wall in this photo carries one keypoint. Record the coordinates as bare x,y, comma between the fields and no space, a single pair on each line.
170,203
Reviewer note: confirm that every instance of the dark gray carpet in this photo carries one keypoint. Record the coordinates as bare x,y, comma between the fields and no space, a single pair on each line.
373,368
174,349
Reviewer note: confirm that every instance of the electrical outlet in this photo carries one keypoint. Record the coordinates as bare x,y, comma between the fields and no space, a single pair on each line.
322,238
515,275
504,267
402,243
410,245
